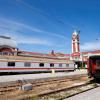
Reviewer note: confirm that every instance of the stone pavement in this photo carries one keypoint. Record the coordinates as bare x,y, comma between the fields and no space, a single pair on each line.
9,78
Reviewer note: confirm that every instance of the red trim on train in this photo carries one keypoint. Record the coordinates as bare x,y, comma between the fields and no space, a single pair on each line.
34,68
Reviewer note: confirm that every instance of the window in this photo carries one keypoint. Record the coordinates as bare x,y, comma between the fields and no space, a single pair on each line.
27,64
60,65
67,65
41,64
11,64
76,58
98,63
51,65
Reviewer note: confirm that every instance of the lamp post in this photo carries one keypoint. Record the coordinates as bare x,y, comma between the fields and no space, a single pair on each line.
82,60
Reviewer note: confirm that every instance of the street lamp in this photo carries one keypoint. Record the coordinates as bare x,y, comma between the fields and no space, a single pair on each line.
81,54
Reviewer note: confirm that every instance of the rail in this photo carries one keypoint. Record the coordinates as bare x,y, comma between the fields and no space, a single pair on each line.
58,88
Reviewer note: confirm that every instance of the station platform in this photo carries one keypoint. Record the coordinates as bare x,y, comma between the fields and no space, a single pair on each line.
12,78
93,94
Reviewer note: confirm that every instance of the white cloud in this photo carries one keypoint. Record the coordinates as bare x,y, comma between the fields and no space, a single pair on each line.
91,45
16,30
30,40
17,26
22,39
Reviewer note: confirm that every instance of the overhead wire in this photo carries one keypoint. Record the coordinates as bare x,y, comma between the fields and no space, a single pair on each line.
34,9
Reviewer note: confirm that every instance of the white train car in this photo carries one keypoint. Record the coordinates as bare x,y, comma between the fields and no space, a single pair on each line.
34,64
14,60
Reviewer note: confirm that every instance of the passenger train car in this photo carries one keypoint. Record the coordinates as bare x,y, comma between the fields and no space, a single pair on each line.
33,63
94,66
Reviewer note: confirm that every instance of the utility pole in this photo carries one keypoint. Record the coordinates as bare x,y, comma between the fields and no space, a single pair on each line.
82,60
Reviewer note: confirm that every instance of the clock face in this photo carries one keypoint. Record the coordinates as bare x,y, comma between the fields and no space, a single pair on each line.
75,37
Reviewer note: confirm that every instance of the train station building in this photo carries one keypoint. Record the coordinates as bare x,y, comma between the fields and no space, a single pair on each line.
79,57
8,46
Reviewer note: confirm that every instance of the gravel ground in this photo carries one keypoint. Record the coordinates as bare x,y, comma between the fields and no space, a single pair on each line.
93,94
9,78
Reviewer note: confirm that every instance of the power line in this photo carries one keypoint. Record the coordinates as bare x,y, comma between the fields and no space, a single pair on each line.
60,20
33,9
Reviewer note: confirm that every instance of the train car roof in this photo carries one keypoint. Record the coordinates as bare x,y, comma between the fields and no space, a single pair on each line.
94,55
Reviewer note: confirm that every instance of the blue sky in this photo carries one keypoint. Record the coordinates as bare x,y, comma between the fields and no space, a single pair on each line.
45,25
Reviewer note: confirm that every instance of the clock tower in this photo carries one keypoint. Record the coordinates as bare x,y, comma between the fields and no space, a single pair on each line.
75,42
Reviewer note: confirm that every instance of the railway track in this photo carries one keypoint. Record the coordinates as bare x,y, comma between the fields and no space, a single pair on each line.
16,85
64,93
45,88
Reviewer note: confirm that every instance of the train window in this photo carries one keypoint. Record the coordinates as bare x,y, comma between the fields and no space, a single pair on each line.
11,64
27,64
60,65
98,63
67,65
41,64
51,65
